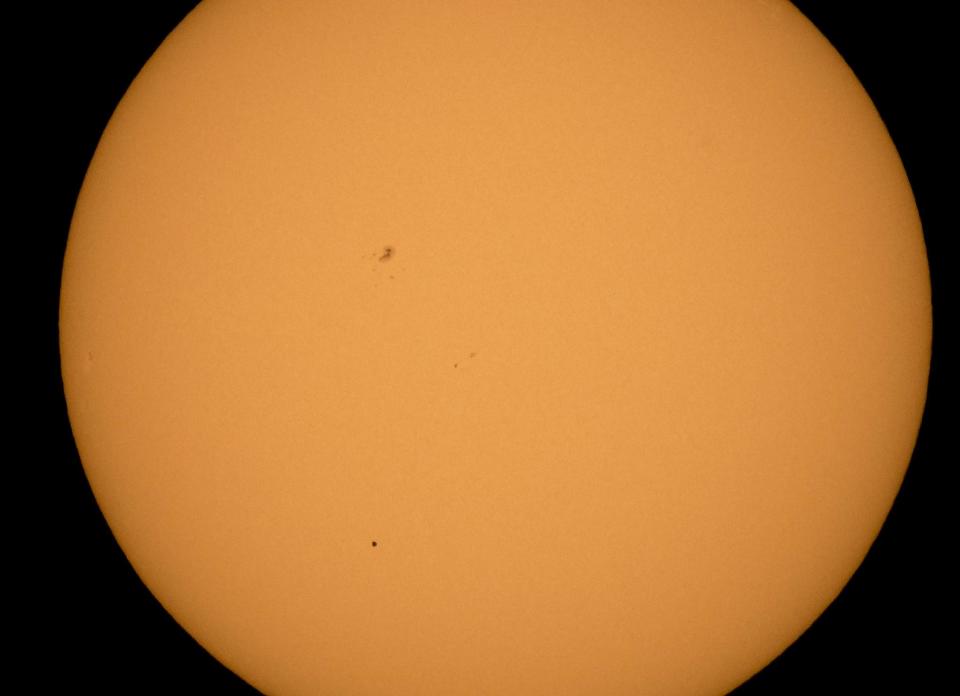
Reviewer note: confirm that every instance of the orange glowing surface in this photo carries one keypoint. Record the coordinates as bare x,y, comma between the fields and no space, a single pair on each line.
495,347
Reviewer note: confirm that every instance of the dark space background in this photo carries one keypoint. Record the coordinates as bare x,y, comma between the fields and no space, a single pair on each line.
94,628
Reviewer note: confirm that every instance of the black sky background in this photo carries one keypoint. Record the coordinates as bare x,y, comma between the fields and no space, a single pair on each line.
94,628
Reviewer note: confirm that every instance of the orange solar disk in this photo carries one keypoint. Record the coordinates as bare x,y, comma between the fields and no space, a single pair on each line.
495,347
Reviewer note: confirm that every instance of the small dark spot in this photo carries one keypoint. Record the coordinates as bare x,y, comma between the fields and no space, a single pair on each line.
456,364
90,357
473,355
373,543
387,253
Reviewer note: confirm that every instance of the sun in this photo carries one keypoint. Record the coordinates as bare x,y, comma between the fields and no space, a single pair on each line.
502,347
